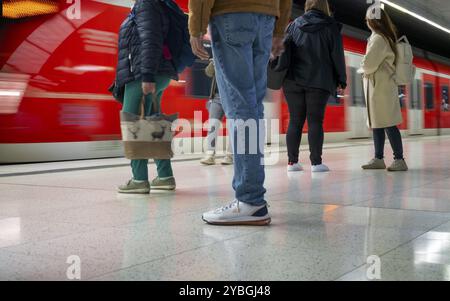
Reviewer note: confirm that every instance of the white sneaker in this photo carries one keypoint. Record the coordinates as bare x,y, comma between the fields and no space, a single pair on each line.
293,167
208,160
227,160
238,213
319,168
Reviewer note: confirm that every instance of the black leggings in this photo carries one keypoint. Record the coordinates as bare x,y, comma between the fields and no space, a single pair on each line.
395,138
305,104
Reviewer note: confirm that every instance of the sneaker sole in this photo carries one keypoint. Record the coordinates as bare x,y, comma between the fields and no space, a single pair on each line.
373,168
163,187
136,191
263,222
207,164
397,170
222,163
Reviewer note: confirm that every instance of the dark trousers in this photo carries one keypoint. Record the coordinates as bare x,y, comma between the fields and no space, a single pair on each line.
305,104
395,138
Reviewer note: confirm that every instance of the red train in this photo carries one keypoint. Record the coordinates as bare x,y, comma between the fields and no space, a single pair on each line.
56,66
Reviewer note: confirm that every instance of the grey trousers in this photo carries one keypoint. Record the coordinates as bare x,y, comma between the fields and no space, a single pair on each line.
216,115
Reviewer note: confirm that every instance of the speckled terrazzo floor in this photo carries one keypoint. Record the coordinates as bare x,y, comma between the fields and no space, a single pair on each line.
324,226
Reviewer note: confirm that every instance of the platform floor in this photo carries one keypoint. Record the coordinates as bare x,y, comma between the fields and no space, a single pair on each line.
324,227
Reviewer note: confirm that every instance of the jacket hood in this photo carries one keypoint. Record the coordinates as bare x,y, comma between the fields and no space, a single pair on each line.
315,20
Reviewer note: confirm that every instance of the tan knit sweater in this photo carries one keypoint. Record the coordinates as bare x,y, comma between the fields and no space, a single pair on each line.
200,12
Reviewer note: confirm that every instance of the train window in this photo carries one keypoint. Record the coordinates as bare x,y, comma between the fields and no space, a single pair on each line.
429,98
445,101
402,96
357,89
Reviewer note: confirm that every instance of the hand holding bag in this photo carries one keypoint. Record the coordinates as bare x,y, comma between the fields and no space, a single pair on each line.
147,137
117,92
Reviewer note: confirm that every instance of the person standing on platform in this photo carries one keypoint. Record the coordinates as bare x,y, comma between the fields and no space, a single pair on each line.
317,71
143,69
381,91
243,33
216,114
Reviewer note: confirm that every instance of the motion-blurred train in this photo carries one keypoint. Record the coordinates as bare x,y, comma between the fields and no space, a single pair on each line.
57,60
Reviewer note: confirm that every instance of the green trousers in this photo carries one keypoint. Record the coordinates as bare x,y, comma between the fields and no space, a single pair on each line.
132,104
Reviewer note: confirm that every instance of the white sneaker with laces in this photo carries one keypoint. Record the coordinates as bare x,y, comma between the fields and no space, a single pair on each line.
238,213
320,168
227,160
293,167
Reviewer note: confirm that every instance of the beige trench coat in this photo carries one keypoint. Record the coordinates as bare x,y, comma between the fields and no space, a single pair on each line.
380,89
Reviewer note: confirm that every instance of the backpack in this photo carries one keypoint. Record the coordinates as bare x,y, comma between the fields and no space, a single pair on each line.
178,38
404,68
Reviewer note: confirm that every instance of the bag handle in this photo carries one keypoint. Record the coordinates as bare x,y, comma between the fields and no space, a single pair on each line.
155,107
403,38
142,115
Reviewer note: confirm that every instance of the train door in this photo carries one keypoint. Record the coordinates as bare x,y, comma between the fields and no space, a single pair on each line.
444,107
357,111
431,103
415,115
404,97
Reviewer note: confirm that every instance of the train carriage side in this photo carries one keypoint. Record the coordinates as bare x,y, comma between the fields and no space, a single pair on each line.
55,71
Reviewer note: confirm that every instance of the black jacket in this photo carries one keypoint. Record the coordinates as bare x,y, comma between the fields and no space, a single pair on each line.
141,42
317,57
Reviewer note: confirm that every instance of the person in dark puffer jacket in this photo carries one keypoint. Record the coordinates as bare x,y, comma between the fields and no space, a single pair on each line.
145,68
317,70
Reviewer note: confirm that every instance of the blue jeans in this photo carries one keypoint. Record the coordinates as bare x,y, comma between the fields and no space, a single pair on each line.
241,44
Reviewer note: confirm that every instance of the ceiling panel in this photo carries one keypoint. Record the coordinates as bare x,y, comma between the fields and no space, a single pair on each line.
420,34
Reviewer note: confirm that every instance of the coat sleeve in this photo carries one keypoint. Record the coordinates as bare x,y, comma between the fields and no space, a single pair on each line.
199,15
338,58
283,20
149,26
376,53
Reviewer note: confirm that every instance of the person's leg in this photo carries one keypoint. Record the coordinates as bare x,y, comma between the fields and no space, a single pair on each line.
219,114
239,42
295,98
132,104
164,167
395,138
379,138
215,118
316,103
